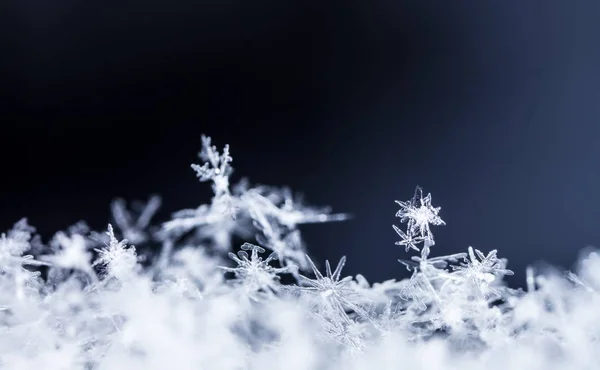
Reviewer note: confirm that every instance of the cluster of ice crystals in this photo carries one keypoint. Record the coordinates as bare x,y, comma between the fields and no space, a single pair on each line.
92,300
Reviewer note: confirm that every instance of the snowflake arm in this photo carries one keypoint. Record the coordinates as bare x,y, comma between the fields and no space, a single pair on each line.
135,231
289,212
293,212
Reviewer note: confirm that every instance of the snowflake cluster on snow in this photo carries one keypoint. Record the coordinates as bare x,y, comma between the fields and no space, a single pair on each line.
174,295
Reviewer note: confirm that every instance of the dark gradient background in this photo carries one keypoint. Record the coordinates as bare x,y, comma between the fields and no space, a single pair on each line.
494,108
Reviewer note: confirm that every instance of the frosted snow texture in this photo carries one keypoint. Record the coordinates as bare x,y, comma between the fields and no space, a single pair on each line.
93,300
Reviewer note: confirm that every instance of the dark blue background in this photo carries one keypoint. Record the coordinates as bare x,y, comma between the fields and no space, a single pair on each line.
494,108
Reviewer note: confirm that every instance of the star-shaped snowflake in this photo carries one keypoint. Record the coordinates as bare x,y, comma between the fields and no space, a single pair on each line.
255,274
419,215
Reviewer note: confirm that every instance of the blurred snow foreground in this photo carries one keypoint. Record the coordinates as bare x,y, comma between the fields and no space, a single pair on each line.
88,300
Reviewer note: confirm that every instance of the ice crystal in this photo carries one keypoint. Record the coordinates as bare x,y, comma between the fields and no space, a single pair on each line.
334,294
254,273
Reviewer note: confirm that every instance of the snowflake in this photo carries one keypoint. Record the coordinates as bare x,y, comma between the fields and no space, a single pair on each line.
482,270
119,259
330,285
216,167
409,241
216,221
334,293
255,274
420,214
